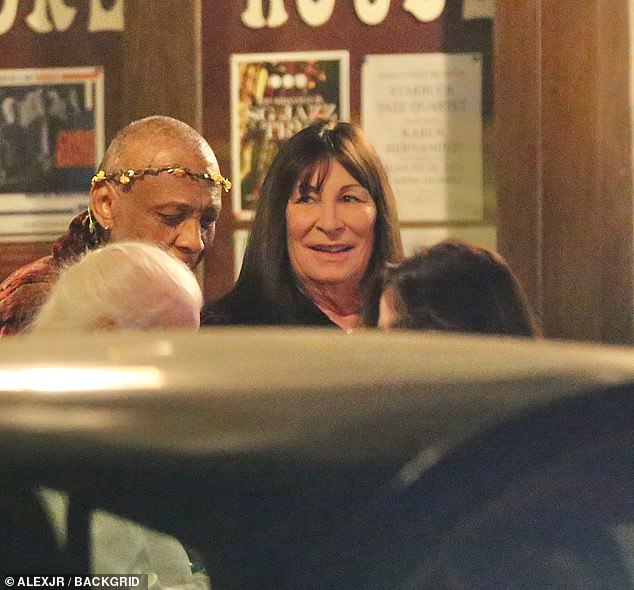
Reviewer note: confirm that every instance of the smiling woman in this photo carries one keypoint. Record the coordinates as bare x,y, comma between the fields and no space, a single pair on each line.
330,224
325,226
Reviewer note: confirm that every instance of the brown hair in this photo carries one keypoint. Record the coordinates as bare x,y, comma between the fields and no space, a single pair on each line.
459,287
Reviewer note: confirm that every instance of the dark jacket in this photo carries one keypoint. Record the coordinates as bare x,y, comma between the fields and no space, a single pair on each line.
241,307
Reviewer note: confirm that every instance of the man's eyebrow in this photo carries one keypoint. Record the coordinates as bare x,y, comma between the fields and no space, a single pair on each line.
180,207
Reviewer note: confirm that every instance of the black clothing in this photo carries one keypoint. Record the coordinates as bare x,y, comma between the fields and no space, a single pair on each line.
246,309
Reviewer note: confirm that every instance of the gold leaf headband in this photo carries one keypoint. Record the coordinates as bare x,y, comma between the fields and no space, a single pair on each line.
126,177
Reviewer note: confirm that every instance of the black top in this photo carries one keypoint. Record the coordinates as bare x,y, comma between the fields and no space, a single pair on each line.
243,308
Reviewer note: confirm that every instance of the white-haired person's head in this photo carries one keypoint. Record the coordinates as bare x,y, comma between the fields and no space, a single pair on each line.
122,286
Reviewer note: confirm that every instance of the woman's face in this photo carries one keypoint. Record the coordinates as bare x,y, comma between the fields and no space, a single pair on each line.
330,229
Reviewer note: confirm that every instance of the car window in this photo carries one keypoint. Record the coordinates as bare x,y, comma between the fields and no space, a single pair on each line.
120,545
542,500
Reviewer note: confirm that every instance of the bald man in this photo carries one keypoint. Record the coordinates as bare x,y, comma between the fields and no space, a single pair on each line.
159,182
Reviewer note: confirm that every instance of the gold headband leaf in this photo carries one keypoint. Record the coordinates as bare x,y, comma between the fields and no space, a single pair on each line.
126,177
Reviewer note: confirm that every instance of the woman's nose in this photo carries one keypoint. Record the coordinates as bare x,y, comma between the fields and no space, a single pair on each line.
329,219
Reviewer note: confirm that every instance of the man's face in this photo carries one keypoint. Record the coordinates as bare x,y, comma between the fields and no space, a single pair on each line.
175,211
178,213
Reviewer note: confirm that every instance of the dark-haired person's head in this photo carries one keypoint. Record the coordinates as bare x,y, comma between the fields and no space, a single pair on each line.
458,287
325,227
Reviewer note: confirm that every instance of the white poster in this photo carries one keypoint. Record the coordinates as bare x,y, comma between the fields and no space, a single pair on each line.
423,113
240,239
51,140
472,9
415,238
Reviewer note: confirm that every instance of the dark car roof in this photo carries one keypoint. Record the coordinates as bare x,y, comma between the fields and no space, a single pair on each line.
318,392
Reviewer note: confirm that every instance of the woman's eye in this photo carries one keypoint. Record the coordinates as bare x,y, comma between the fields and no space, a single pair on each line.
351,199
304,198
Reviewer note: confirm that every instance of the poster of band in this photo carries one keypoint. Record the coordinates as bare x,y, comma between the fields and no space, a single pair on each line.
274,95
51,140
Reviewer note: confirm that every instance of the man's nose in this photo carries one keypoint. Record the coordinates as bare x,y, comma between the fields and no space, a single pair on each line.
190,237
329,219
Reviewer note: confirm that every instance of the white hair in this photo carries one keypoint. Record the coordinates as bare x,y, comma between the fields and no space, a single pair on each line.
122,286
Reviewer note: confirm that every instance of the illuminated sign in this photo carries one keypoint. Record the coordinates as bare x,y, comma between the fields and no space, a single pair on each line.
56,15
318,12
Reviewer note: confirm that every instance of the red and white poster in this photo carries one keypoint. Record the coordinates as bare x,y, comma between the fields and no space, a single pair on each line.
51,141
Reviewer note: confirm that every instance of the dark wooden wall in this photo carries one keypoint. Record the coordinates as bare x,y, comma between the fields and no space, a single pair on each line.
162,60
563,155
564,162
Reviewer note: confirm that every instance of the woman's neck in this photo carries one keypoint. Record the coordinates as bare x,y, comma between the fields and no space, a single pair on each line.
348,323
339,303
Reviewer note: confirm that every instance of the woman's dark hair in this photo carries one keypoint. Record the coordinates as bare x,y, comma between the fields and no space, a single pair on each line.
459,287
267,280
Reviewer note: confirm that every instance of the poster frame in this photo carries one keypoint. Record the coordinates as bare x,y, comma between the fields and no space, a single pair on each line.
242,210
38,214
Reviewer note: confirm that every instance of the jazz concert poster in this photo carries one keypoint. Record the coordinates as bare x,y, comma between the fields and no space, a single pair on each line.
273,96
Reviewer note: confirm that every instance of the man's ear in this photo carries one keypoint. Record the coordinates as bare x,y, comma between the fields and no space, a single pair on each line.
102,197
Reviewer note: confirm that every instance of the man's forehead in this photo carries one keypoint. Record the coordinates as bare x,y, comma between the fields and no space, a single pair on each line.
185,155
167,189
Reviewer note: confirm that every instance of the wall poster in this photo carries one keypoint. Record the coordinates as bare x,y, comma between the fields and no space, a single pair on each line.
51,141
423,113
415,238
274,95
240,241
472,9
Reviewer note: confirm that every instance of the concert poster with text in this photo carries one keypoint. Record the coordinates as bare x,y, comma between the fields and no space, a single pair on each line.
273,96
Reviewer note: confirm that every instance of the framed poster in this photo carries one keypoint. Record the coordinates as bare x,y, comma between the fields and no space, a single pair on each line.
472,9
51,141
274,95
240,240
415,238
423,113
